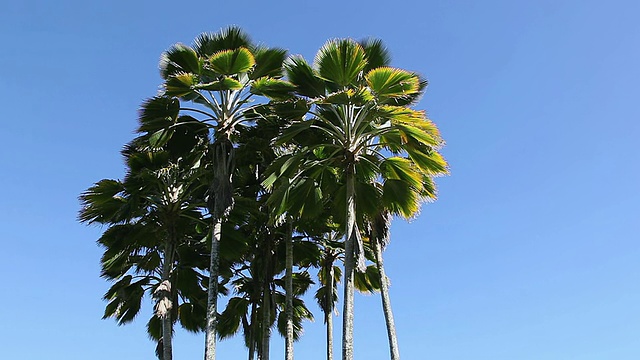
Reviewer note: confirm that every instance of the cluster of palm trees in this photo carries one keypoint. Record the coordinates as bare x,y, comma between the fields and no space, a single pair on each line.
250,169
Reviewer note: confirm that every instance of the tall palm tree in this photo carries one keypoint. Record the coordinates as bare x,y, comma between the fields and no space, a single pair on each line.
361,110
151,238
218,76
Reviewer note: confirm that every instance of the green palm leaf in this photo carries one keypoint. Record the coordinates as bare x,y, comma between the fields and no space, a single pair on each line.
102,203
368,281
179,58
231,38
340,61
388,82
274,89
154,328
303,77
349,96
159,138
377,54
300,313
157,113
192,316
125,299
397,168
400,198
431,162
230,62
268,62
180,84
230,319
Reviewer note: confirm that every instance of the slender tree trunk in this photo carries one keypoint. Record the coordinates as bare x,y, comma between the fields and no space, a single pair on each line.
386,302
266,304
289,291
219,204
164,303
349,263
266,329
328,315
251,327
212,301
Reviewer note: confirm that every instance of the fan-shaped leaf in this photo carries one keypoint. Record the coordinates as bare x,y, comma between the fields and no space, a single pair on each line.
397,168
303,77
376,53
229,320
274,89
158,112
388,82
429,161
230,38
192,317
340,61
368,281
400,198
180,84
230,62
268,62
179,58
154,328
160,137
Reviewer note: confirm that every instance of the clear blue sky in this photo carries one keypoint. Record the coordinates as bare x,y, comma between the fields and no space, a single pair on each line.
530,253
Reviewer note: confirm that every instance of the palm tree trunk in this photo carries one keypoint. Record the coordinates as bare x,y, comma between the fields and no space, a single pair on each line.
349,264
266,304
167,334
266,321
219,204
328,316
289,291
386,303
212,301
252,330
164,303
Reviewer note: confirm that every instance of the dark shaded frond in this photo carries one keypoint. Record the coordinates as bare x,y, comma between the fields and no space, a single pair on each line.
377,54
230,38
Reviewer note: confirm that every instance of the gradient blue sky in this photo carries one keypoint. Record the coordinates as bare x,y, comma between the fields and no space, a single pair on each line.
531,252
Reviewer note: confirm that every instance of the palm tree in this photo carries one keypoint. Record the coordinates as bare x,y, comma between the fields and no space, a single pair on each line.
219,76
360,115
151,244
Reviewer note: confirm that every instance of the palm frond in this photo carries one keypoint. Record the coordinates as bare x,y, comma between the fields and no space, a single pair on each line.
388,82
377,54
300,73
274,89
179,58
103,203
230,62
192,317
230,38
157,113
268,62
340,61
